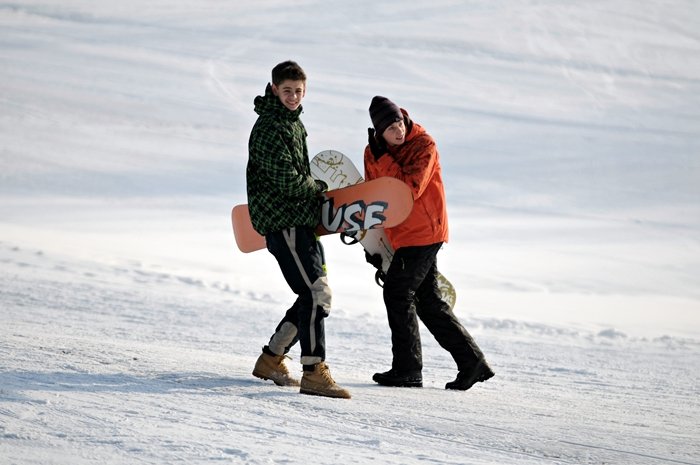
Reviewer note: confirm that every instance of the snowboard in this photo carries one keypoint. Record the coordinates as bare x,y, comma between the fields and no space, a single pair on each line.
380,203
338,171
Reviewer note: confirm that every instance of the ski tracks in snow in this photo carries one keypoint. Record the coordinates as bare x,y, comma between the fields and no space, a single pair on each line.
157,371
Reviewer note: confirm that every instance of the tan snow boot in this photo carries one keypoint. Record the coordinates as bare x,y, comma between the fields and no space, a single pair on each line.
273,367
320,383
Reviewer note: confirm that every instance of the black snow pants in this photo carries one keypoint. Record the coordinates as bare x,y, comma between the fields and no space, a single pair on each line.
411,292
301,258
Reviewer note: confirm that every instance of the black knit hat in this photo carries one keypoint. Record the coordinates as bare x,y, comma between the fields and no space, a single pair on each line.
383,113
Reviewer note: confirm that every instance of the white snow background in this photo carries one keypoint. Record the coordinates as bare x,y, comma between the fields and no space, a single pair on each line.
569,134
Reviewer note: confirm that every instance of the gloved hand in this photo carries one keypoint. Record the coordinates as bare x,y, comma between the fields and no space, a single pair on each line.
377,147
321,185
374,259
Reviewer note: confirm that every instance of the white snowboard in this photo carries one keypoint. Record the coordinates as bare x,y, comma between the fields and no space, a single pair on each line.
337,170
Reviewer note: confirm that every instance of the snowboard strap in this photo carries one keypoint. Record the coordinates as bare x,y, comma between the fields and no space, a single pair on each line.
379,278
349,238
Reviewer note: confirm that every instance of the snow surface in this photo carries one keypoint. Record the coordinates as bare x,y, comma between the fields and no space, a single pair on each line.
569,134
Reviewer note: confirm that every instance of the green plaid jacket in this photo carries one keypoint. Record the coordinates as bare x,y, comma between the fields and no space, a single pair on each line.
281,191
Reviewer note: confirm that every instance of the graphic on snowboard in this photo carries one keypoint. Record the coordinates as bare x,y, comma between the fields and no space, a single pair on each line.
338,171
382,202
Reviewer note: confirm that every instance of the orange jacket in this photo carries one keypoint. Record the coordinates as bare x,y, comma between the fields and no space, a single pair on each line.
417,163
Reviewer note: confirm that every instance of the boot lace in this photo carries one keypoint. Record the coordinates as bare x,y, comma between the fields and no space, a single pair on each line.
325,372
281,367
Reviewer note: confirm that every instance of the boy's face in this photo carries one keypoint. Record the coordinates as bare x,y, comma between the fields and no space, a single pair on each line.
290,93
395,134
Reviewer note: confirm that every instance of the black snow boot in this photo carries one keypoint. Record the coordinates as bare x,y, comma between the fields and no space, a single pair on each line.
396,378
467,378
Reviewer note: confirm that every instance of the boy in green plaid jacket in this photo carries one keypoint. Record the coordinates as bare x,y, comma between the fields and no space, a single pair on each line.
284,202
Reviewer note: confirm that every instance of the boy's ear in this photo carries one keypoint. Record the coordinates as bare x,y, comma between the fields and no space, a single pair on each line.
275,90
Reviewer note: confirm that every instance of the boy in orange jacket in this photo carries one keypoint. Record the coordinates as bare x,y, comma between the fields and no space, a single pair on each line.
401,148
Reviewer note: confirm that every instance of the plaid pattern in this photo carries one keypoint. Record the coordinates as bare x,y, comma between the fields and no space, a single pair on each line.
281,192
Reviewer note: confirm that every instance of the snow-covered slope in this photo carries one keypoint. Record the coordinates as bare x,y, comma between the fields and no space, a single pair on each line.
569,137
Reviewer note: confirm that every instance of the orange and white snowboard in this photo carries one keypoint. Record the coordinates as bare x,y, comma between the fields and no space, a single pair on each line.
379,203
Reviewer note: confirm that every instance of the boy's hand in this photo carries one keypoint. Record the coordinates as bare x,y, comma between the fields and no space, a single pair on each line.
321,185
378,148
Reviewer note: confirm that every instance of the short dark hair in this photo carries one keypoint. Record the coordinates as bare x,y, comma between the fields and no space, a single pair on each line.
287,70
